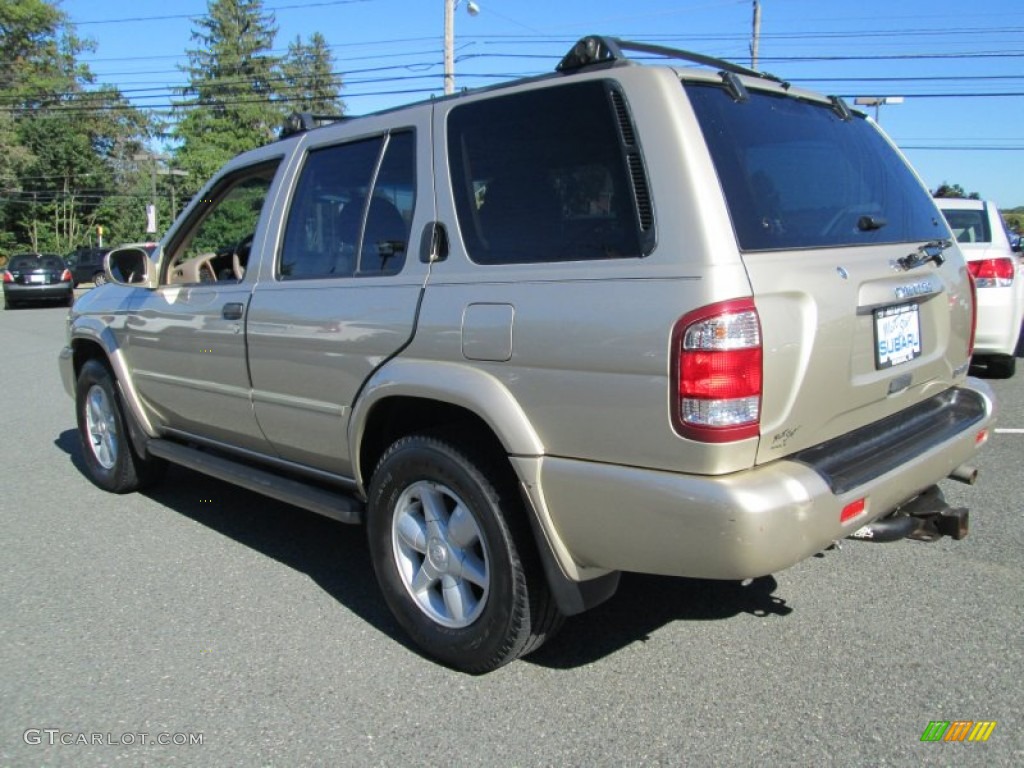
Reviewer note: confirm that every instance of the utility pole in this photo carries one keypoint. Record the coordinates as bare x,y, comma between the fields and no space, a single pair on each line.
756,37
449,46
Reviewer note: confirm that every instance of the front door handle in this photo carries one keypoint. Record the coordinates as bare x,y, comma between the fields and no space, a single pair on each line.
232,311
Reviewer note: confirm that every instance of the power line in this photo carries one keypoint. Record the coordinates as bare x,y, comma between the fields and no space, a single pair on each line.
194,15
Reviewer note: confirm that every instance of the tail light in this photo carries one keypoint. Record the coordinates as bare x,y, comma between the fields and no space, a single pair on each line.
974,312
8,277
717,372
993,273
66,276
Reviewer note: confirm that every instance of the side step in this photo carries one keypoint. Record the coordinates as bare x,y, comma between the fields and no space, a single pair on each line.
336,505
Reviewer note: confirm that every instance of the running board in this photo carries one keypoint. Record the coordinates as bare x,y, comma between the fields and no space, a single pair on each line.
335,505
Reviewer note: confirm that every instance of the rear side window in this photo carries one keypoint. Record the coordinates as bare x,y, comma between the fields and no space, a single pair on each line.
352,210
796,175
553,174
968,226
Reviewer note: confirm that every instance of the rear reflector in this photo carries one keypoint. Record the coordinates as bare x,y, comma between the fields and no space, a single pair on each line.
717,372
993,273
852,510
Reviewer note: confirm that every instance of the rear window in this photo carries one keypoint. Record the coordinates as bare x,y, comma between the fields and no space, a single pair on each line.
53,263
796,175
24,262
968,226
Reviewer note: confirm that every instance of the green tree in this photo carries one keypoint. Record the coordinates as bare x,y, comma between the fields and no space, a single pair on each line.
62,139
309,83
946,189
227,106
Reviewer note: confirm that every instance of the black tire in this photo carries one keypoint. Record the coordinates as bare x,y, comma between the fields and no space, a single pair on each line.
99,278
107,449
470,591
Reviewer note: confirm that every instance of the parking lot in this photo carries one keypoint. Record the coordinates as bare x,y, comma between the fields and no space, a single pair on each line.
200,624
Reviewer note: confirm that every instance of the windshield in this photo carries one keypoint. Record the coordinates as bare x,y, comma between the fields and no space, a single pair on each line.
796,175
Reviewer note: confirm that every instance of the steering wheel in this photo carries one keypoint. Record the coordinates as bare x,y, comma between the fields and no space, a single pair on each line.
240,256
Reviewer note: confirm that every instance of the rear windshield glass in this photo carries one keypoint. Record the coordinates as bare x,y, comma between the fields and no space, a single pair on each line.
53,263
24,262
795,175
968,226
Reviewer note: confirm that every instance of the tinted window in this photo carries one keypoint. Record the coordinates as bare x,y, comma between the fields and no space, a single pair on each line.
55,263
24,262
796,175
969,226
352,210
544,176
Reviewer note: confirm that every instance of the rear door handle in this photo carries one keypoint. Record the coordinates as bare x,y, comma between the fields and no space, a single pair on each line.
232,311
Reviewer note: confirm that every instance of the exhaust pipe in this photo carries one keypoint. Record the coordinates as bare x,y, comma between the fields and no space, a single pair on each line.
925,518
965,473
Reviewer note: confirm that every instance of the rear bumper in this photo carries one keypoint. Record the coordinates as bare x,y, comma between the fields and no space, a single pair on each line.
742,525
999,321
53,292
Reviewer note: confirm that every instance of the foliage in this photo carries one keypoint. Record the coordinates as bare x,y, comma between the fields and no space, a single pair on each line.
74,154
63,141
309,85
226,107
954,190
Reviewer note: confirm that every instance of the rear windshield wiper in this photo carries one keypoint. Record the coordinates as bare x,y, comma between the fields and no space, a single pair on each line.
871,223
931,251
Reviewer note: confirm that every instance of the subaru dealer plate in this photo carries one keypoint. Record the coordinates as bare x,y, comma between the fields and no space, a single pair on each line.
897,335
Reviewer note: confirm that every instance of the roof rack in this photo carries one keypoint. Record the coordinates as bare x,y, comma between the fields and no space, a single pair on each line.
300,122
597,49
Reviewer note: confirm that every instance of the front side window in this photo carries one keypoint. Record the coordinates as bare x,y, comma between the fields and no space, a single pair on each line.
546,176
796,175
352,210
216,241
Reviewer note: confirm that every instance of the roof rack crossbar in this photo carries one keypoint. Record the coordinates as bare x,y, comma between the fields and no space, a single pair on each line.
597,49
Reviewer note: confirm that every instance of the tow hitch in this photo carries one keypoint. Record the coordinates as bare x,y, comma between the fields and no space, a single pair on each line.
926,518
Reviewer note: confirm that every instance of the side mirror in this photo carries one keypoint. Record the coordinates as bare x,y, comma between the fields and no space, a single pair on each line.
129,266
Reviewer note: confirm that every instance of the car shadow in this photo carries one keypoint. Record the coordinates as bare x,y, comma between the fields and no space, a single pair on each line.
335,556
644,604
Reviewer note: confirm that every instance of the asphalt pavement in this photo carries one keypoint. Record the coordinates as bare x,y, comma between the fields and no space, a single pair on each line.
199,624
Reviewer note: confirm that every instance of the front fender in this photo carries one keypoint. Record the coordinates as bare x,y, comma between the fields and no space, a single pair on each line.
97,332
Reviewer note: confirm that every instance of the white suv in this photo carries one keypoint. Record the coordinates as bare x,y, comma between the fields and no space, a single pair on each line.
999,278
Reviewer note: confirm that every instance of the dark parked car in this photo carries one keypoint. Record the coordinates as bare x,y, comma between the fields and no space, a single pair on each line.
37,277
87,265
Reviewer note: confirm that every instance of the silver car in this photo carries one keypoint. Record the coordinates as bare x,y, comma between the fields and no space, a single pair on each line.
682,321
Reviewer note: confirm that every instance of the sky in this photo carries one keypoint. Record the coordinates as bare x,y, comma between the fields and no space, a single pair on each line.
959,66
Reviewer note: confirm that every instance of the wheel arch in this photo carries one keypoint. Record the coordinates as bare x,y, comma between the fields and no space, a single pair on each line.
406,398
98,343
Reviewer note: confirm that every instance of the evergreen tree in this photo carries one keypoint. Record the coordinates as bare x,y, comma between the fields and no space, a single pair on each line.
309,82
227,106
